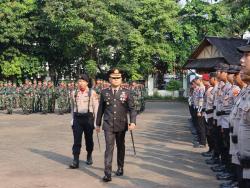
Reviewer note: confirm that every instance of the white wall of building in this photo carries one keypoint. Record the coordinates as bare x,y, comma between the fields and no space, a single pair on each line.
150,85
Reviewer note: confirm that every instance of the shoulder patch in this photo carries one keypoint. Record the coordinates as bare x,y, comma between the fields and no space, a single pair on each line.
236,92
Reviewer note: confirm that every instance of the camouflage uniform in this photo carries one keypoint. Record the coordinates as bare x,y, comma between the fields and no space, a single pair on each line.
44,98
62,96
35,98
2,91
9,94
135,94
15,96
26,98
143,95
51,98
39,97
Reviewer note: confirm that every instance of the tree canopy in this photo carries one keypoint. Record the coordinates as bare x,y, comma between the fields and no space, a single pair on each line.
141,37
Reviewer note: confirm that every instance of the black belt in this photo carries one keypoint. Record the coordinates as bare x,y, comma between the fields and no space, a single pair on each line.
231,129
210,111
225,113
218,113
76,114
235,139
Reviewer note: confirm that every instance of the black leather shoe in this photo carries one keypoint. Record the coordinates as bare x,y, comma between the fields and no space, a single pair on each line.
223,173
119,172
212,161
225,176
220,166
89,159
225,184
219,170
207,154
74,164
107,178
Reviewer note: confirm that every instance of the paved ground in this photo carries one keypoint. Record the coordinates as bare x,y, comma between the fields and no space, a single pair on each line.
36,149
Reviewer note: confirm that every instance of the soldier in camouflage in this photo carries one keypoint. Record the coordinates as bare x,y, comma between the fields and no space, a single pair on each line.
51,97
9,98
62,96
44,97
2,91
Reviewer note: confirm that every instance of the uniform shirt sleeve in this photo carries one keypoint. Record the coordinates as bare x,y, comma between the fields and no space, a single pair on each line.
201,98
210,98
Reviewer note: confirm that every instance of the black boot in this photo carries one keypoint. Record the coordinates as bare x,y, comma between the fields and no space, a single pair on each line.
119,171
89,159
107,178
75,163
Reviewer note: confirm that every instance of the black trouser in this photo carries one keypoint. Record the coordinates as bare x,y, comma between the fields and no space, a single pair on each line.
110,138
191,111
243,183
218,141
209,134
225,157
196,123
80,125
202,130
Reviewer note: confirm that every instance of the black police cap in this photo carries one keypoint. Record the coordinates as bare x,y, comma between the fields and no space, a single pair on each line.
83,77
245,48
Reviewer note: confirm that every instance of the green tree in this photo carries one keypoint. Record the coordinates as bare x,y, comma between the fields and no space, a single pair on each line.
240,16
199,19
17,44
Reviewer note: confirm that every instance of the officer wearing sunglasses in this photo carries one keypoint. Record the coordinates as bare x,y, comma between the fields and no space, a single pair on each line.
115,104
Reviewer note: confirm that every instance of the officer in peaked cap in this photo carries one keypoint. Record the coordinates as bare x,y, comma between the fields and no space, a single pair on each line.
233,69
115,103
245,48
223,67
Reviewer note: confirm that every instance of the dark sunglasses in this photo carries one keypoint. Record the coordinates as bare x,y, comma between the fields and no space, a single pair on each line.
115,78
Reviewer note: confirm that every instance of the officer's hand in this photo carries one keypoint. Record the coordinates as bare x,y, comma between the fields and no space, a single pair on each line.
199,114
131,126
97,129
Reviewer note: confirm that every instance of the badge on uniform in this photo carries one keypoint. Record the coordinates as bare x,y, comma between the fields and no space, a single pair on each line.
107,96
123,97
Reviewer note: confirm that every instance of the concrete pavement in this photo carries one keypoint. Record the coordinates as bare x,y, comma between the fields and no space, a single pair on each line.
36,150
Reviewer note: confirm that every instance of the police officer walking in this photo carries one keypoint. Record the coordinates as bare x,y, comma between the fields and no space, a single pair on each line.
115,103
84,107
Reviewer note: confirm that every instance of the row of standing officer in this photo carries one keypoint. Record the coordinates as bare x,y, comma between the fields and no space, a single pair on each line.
220,109
37,97
43,96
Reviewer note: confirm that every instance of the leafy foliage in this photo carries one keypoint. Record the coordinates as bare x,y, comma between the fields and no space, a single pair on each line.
174,85
142,37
